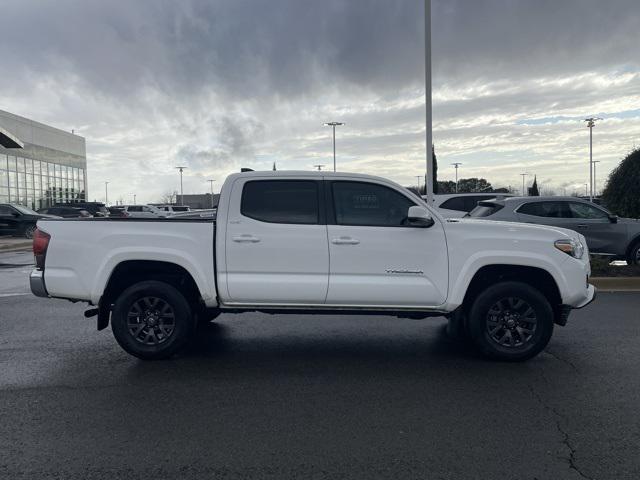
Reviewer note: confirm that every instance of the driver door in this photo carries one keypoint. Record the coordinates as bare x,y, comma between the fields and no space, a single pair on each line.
376,258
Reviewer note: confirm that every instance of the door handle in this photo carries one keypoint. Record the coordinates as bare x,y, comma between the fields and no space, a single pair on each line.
345,241
582,225
246,238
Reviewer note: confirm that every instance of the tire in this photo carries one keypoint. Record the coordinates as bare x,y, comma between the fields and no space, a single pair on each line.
152,320
29,231
510,321
634,254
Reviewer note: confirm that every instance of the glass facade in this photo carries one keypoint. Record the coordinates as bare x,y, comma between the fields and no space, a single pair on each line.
48,167
39,184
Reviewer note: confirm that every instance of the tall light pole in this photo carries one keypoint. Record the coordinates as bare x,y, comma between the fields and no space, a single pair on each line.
595,181
211,182
591,122
523,177
428,177
181,191
106,194
334,125
134,198
318,167
585,189
418,177
456,164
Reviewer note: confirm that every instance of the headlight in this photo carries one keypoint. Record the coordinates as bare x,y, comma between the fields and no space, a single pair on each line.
571,247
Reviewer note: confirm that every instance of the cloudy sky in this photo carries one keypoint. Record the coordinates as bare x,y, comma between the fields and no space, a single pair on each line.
220,84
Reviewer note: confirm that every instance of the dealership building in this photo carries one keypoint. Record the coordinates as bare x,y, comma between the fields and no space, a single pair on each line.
40,165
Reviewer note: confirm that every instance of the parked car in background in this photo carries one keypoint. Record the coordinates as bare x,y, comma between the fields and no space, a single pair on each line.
457,205
204,213
143,211
170,209
19,220
606,234
97,209
66,212
117,212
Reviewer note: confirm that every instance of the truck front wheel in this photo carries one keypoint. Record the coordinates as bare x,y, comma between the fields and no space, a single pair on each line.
152,320
510,321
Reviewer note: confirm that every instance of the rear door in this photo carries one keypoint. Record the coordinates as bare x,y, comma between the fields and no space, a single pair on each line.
276,246
376,258
554,213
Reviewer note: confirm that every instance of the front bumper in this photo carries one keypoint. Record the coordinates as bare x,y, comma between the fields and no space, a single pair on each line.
591,296
36,282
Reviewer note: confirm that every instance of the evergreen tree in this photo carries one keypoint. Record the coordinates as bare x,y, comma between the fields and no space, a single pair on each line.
533,190
434,173
622,193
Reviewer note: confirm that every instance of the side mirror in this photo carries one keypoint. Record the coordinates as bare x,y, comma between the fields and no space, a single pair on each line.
16,214
419,217
613,218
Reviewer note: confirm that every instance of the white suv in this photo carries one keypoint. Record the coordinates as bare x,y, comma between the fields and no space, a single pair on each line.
457,205
143,211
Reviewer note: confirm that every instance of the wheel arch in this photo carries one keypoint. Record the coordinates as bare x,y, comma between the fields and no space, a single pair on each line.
129,272
536,277
632,243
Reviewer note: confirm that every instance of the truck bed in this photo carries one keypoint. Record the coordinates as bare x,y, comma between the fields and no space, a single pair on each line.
83,253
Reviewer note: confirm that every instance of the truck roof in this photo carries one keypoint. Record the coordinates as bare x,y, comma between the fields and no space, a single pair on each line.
306,173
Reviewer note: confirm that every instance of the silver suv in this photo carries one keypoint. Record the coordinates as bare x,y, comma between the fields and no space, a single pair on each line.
606,234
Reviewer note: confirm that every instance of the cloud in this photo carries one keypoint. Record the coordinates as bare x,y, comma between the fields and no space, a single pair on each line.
222,84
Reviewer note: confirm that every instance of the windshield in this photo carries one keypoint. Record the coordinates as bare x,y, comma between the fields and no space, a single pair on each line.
25,210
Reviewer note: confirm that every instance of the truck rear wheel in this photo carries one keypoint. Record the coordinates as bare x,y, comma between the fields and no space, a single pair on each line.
152,320
510,321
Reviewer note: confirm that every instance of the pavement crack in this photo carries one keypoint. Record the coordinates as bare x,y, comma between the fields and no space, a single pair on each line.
563,360
566,438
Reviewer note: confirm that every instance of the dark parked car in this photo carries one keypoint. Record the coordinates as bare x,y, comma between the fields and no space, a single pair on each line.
97,209
66,212
19,220
605,233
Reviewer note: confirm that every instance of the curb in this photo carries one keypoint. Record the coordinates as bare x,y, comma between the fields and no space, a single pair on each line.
616,284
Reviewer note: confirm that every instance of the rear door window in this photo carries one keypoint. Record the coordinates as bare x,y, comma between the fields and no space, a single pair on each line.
281,201
455,203
546,209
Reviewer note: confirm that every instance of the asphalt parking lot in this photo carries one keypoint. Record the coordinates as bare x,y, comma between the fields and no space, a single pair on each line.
259,396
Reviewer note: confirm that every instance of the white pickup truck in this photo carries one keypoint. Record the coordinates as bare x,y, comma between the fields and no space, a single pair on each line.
305,242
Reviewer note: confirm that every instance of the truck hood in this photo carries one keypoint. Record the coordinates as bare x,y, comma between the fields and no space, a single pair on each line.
543,232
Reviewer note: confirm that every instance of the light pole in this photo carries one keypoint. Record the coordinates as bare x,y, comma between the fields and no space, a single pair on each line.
595,181
585,189
134,198
318,167
181,191
106,194
334,125
591,122
456,164
418,177
211,182
428,177
523,177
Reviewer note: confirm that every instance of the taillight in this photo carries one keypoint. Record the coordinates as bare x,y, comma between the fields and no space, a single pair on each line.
40,245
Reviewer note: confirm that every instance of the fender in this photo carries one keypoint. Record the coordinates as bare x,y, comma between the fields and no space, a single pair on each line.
460,283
